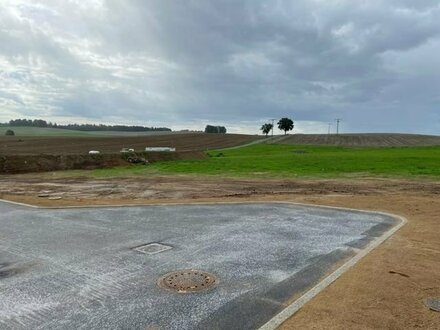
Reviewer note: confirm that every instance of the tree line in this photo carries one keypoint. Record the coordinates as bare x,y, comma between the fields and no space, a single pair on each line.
284,124
82,127
215,129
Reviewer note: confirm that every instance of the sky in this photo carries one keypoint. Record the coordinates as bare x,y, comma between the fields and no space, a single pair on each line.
239,63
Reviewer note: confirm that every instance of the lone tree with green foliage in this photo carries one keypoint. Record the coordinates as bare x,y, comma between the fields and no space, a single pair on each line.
285,124
9,132
266,128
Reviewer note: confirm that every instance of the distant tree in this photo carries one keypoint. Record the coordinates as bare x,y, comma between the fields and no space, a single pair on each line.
84,127
266,128
39,123
285,124
215,129
10,132
210,129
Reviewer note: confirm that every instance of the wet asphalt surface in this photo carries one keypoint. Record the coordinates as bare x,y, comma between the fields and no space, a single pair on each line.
77,269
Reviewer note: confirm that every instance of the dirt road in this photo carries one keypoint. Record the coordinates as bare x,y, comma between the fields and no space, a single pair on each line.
385,290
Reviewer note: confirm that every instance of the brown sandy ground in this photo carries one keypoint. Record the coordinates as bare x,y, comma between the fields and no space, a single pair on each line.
385,290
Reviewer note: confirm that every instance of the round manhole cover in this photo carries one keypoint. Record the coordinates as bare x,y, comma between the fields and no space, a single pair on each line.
188,280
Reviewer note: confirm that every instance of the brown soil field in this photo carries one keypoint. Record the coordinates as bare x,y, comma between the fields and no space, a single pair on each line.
385,290
363,140
81,145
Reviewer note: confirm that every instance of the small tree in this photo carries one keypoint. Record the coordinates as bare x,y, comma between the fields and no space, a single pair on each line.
285,124
266,128
9,132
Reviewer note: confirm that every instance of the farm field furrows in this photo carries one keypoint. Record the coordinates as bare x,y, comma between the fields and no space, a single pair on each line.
20,145
361,140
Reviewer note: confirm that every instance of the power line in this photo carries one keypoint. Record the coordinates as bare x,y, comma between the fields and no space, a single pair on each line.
337,125
272,119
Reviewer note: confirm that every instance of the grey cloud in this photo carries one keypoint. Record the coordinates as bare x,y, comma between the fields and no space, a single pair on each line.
228,61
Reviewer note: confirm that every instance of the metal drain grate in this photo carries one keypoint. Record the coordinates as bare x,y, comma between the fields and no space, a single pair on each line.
188,280
152,248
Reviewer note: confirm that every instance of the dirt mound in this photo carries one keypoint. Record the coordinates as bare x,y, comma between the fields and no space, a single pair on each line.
363,140
10,164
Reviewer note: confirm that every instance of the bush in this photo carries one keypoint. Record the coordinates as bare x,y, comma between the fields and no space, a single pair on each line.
9,132
219,154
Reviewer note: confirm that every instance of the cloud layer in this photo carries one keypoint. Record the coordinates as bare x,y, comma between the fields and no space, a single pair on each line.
239,63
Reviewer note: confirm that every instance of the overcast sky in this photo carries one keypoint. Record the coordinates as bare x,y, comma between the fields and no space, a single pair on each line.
185,64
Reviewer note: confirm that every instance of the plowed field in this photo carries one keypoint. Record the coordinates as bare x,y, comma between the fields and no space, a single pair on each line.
363,140
80,145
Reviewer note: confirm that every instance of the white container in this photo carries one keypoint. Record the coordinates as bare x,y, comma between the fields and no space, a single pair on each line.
158,149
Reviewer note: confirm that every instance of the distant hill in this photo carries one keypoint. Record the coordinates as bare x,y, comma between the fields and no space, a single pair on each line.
362,140
40,123
44,131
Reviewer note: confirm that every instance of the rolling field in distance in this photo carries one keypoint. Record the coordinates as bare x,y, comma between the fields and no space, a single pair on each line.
53,132
362,140
234,155
271,160
39,131
69,145
30,140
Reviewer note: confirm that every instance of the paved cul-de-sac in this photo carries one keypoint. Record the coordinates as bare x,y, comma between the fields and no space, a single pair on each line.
100,268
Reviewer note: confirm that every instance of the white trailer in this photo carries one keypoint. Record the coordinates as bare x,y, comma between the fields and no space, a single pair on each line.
158,149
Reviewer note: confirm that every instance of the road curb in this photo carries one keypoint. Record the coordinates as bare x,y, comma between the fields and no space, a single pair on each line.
290,310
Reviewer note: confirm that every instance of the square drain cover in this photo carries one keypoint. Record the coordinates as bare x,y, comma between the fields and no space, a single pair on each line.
152,248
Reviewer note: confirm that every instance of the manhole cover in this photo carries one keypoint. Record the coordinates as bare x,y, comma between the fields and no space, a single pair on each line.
433,304
188,280
152,248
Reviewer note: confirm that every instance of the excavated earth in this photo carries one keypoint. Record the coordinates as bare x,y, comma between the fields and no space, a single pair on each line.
27,154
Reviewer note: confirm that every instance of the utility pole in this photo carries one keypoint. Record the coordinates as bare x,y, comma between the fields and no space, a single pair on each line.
337,125
329,126
272,124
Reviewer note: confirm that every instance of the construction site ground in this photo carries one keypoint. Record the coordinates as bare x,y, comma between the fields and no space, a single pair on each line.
385,290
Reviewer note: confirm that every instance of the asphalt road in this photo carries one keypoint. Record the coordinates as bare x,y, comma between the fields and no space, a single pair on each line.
76,268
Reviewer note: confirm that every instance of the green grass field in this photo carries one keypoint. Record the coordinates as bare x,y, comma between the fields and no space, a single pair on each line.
41,131
266,160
